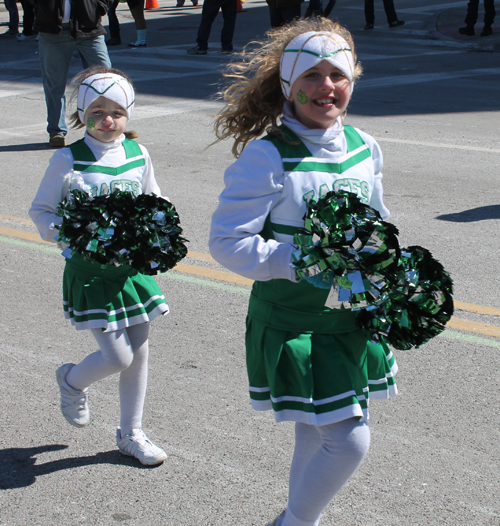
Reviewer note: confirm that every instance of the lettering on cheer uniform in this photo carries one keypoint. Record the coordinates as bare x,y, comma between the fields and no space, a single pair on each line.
119,185
355,186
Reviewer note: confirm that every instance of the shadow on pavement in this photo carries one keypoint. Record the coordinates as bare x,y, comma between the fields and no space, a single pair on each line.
18,466
481,213
420,97
33,146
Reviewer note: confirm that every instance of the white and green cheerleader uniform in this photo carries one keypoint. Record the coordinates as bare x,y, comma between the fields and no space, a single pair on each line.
94,295
307,362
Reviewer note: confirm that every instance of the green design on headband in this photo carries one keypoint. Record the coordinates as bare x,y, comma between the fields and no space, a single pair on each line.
317,54
90,123
302,97
101,93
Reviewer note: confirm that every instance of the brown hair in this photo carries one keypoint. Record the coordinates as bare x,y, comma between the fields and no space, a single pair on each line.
254,99
74,119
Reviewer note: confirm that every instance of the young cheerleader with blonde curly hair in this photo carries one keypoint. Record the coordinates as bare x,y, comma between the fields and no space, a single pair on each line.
116,303
309,363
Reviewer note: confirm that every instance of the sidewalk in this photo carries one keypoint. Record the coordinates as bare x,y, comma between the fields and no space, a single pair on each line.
444,26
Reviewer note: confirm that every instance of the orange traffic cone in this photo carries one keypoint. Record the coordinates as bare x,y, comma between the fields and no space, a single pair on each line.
152,4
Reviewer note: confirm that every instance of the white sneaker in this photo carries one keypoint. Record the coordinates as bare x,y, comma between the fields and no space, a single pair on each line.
74,403
138,445
21,37
278,520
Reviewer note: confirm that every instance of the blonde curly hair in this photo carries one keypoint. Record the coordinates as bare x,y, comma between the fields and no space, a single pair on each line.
254,99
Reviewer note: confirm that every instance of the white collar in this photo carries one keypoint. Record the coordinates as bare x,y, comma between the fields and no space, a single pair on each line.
325,138
100,146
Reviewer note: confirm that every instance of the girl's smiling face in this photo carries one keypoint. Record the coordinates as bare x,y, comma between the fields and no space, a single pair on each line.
105,120
320,95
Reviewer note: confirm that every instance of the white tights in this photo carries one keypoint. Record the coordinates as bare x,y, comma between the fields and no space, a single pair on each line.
323,460
126,352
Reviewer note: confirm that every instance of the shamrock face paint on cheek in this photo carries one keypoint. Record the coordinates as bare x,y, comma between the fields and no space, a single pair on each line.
91,123
302,97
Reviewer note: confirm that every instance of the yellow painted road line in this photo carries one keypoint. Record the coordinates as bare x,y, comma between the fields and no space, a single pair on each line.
200,255
213,274
479,309
16,220
21,234
29,236
180,267
474,326
229,277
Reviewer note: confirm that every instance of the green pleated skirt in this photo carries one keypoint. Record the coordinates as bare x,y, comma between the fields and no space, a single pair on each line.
108,297
314,369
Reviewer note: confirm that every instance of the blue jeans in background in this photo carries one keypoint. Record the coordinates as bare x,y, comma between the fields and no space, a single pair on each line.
56,52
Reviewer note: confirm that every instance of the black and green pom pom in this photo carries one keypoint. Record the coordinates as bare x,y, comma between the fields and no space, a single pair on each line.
121,229
402,295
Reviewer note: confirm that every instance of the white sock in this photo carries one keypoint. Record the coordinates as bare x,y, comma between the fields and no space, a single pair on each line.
134,381
141,36
126,352
324,459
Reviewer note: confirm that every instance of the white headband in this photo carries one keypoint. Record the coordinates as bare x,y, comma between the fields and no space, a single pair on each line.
309,49
109,85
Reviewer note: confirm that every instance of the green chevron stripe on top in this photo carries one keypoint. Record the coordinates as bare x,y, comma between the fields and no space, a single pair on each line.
288,144
291,147
353,138
95,168
337,168
83,154
132,149
81,151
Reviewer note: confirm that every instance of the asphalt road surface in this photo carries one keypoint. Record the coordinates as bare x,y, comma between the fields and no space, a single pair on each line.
431,99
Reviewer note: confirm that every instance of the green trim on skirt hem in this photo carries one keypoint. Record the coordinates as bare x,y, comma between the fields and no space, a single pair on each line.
108,297
318,373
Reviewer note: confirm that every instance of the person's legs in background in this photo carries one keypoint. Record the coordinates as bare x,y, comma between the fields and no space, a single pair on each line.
470,18
315,8
369,14
229,13
114,25
28,21
56,52
390,12
137,9
489,17
11,6
275,17
208,14
284,15
93,52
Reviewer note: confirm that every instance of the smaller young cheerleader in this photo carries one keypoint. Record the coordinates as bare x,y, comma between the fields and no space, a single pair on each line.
116,303
307,361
